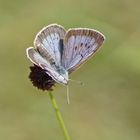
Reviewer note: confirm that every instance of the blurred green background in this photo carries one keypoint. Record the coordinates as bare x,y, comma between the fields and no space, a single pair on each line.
107,107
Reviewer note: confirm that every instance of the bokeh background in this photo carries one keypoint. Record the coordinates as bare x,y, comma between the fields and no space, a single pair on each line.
107,107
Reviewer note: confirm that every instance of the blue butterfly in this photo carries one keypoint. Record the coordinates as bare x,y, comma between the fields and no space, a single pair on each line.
60,52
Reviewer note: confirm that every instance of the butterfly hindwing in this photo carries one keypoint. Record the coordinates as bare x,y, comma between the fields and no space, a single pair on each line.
79,45
48,43
38,60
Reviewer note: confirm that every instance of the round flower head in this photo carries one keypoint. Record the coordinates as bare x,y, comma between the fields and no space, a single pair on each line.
41,79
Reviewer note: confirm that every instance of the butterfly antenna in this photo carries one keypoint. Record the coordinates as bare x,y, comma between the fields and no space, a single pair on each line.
78,82
68,95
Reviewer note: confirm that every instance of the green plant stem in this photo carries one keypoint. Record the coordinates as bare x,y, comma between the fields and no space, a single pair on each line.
59,117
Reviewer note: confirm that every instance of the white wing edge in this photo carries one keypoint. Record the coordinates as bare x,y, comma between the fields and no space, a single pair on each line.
87,29
54,24
27,53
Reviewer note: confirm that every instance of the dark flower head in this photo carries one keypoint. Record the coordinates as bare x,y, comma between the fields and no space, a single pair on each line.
41,79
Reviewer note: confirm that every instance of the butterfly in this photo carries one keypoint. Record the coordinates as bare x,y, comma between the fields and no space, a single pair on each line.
60,52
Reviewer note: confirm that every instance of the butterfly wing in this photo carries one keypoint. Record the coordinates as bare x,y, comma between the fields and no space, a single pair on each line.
49,43
38,60
79,45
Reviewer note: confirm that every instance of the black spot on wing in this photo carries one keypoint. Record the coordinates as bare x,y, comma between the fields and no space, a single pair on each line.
81,55
75,48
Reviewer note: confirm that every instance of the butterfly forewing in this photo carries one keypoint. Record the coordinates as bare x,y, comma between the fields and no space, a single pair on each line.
79,45
48,43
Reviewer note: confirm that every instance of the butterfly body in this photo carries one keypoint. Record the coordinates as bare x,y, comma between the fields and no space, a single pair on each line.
63,72
61,52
